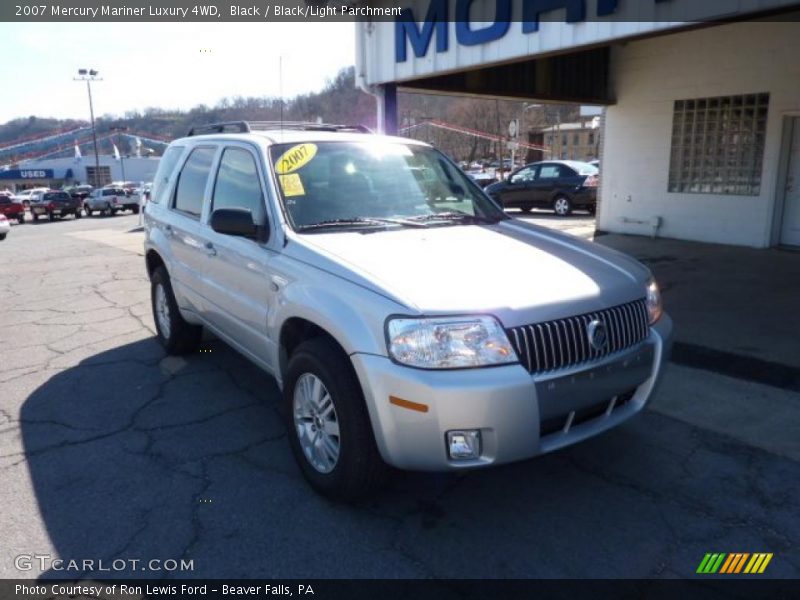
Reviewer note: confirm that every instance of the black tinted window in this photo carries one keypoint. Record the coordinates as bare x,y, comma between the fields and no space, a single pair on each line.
192,181
4,200
237,184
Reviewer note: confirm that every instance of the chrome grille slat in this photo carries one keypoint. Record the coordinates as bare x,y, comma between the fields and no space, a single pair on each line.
563,343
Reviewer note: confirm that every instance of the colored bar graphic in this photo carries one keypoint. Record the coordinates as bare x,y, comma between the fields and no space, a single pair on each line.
734,563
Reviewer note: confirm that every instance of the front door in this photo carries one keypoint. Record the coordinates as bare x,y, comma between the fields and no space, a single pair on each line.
790,227
238,284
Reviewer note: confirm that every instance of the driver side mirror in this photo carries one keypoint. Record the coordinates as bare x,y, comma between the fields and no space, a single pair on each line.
238,222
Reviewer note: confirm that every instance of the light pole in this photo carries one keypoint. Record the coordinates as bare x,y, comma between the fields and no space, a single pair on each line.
89,75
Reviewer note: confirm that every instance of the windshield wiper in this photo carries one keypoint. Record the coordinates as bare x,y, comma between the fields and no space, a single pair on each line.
358,221
456,216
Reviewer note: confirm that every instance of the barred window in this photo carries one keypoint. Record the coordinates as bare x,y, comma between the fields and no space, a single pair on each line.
718,145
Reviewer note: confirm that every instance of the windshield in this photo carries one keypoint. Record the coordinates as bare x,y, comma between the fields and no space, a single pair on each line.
375,184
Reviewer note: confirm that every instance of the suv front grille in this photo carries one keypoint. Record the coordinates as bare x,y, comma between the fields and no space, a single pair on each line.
563,343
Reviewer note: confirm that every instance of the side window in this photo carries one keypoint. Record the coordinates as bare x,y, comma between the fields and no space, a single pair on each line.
549,172
165,168
525,175
192,180
237,184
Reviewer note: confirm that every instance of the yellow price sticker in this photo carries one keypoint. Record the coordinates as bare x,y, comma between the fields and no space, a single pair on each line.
295,157
292,185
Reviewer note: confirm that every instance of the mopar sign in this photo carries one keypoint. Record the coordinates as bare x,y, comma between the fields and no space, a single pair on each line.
27,174
437,18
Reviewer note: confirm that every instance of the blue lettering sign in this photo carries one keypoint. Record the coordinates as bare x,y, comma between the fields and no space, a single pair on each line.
531,9
467,36
406,27
436,22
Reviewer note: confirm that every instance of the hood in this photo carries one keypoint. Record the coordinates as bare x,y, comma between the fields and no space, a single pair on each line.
514,270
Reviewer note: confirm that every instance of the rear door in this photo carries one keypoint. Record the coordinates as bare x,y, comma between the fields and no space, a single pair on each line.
186,234
546,184
238,285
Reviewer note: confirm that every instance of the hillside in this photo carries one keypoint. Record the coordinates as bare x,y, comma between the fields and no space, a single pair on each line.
339,102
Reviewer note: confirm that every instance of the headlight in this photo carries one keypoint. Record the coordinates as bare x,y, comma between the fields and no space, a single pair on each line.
449,342
654,306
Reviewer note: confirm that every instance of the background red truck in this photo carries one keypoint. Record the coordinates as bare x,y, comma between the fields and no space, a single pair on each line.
14,211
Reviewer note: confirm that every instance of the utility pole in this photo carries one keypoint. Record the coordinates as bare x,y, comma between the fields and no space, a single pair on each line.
89,75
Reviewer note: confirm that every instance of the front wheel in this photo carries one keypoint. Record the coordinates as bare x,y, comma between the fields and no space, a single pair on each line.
135,209
562,206
329,428
107,212
87,210
175,334
78,214
51,216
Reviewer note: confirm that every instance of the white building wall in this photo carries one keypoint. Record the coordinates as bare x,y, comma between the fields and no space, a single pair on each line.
648,76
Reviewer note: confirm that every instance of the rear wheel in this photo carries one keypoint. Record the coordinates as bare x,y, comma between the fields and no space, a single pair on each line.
135,209
329,428
592,209
2,236
175,334
562,206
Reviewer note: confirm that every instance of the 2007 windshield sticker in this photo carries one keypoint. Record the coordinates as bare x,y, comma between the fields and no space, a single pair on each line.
295,157
292,185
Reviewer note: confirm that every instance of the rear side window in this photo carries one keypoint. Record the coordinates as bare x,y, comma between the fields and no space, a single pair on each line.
238,185
192,180
165,169
550,172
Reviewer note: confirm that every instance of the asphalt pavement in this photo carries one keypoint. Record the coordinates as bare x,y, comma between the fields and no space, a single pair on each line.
110,450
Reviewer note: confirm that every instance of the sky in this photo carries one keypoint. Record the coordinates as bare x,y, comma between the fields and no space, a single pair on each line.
164,65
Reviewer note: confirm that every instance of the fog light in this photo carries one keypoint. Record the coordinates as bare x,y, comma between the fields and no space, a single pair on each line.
464,445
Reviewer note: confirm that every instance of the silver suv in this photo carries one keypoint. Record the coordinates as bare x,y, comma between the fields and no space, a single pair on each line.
408,320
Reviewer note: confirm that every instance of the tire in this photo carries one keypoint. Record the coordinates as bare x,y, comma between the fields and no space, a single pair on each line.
175,334
135,209
87,210
78,214
526,209
51,216
358,468
2,236
35,217
21,219
592,210
562,206
107,212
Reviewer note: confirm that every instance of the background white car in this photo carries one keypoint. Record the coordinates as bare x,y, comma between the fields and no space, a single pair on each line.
5,227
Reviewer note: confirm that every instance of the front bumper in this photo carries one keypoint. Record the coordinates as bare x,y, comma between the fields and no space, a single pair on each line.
518,414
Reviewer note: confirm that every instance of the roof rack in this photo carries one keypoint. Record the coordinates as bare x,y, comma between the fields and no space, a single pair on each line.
248,126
